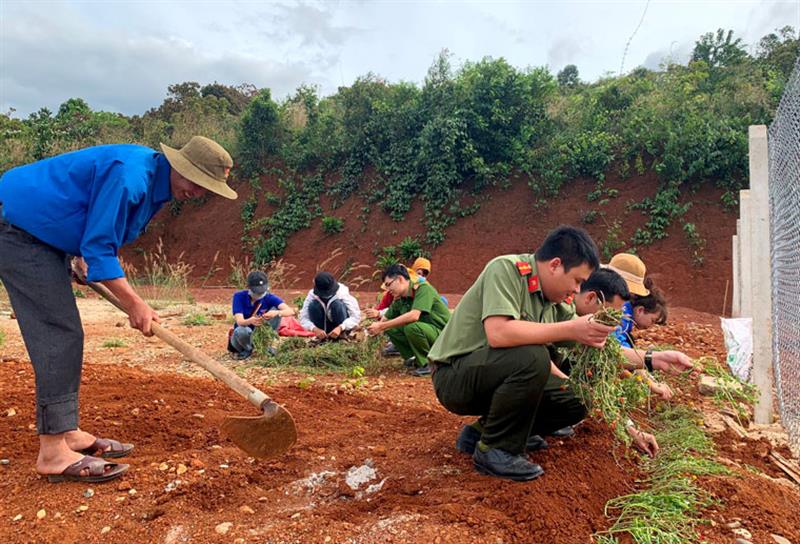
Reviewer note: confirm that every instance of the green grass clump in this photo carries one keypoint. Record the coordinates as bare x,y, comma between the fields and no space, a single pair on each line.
2,338
730,392
350,357
596,378
114,343
197,320
667,511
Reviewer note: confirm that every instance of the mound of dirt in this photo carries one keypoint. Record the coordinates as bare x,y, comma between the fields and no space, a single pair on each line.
507,222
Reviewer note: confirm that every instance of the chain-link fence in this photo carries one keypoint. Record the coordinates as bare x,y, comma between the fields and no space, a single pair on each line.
784,201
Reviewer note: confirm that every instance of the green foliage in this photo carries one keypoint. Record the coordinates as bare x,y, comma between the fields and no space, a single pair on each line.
568,77
260,133
332,225
386,258
196,320
300,206
2,338
464,129
697,243
249,211
668,509
613,242
662,209
113,343
355,359
409,249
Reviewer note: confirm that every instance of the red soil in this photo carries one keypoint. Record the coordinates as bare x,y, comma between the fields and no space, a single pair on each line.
430,493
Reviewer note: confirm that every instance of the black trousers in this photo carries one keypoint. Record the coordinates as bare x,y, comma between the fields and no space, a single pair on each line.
327,321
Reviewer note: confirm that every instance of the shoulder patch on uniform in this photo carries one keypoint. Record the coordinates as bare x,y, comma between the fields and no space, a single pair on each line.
524,268
533,284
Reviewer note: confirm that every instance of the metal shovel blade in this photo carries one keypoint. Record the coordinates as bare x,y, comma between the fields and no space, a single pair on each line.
268,435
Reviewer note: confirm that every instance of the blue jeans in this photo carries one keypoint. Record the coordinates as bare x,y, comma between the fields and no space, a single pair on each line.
242,339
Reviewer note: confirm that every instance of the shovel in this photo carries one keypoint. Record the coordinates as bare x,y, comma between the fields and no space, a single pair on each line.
268,435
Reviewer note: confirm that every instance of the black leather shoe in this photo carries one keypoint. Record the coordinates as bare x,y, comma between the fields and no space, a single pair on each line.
566,432
501,464
468,439
536,443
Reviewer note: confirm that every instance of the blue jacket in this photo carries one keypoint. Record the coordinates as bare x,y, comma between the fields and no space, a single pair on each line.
88,202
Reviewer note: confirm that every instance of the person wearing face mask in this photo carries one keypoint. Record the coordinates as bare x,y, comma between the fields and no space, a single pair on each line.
254,307
492,358
87,204
329,310
414,320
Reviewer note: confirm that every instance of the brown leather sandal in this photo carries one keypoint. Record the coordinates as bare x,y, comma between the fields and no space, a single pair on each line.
98,471
108,449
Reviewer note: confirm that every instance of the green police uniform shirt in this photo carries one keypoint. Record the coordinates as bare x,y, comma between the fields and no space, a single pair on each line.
421,296
502,289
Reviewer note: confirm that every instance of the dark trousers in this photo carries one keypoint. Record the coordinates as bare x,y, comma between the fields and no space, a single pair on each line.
559,408
36,277
327,321
502,386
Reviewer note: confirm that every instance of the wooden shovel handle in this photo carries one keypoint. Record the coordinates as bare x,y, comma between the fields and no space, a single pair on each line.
255,396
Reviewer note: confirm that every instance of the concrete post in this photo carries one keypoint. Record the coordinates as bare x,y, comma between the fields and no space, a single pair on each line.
761,273
745,256
735,287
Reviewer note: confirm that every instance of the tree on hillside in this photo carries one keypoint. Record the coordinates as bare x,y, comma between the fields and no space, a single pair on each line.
719,49
568,77
780,51
236,97
259,133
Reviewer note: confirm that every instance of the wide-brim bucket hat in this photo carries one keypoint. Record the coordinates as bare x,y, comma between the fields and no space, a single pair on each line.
203,162
632,270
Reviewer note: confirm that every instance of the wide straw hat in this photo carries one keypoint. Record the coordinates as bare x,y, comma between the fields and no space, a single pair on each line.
203,162
632,270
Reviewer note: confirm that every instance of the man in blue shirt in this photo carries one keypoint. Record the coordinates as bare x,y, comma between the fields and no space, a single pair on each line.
86,203
252,307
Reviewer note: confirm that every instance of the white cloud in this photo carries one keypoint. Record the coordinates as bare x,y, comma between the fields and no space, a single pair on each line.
122,55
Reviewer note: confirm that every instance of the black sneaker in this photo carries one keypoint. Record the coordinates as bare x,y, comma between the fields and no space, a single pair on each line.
422,371
501,464
566,432
411,362
536,443
468,439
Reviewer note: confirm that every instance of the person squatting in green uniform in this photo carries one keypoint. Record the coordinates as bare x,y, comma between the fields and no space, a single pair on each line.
414,320
492,359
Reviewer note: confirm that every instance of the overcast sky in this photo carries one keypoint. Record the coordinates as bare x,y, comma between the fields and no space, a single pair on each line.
121,55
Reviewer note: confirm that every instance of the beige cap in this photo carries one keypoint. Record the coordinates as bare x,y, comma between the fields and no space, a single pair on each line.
632,270
204,162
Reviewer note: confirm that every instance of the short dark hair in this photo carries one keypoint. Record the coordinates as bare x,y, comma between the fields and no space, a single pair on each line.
572,245
607,282
654,302
394,270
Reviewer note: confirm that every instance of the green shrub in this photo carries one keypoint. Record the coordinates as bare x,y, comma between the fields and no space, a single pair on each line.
332,225
196,320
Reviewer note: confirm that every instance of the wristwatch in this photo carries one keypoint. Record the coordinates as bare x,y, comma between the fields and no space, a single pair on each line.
648,360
